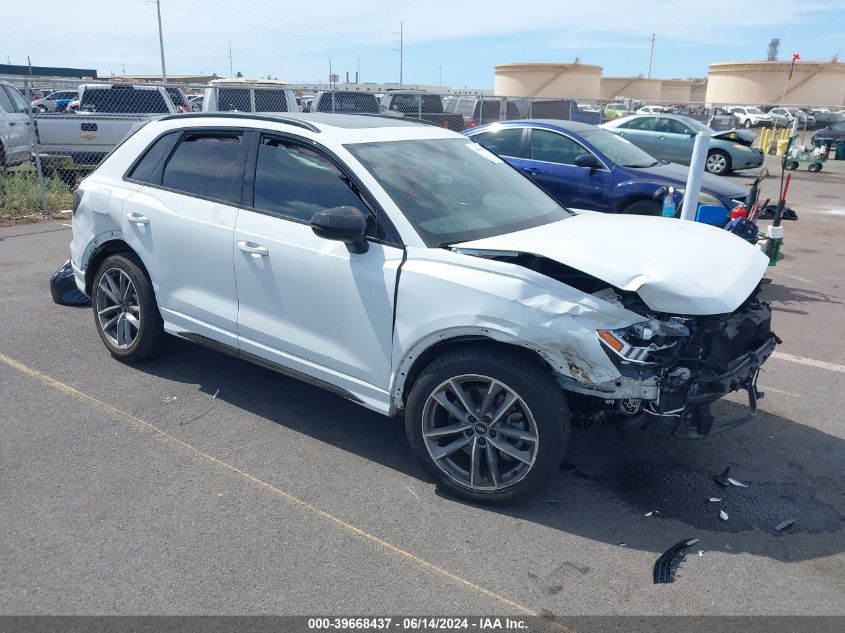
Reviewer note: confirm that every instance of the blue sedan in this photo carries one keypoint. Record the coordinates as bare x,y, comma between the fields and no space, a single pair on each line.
585,167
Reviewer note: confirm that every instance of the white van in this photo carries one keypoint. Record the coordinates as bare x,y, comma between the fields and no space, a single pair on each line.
248,95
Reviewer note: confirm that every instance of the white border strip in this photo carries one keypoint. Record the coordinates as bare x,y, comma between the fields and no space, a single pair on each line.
821,364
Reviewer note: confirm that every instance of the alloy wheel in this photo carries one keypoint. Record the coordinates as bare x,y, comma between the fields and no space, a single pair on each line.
118,308
480,432
716,163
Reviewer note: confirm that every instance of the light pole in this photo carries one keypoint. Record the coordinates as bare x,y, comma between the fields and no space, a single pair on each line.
161,43
650,55
401,50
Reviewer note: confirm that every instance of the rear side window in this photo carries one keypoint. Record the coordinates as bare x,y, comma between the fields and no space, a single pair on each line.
123,101
205,165
295,181
229,99
269,100
502,142
145,169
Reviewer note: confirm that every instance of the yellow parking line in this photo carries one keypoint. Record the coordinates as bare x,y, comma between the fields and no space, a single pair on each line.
166,438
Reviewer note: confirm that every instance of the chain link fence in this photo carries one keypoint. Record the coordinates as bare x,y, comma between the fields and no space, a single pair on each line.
56,132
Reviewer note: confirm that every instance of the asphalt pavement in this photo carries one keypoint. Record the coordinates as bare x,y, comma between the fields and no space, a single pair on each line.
199,484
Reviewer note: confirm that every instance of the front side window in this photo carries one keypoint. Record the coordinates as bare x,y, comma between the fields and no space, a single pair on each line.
18,102
507,142
671,126
204,164
6,101
452,190
296,181
550,147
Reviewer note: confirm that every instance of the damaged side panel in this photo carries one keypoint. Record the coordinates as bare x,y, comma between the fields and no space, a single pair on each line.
532,310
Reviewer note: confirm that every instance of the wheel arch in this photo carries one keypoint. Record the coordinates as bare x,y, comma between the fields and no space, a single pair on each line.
102,249
422,353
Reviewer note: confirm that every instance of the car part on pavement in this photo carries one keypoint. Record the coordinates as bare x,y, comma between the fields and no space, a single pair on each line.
722,478
723,515
64,290
665,565
784,524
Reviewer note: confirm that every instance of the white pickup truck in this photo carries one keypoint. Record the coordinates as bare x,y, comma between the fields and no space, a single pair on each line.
77,142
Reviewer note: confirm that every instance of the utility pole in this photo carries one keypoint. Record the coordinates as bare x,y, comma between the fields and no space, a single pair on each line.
161,42
650,55
124,68
401,49
440,75
229,44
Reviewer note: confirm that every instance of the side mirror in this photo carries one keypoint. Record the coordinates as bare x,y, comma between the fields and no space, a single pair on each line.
343,224
587,160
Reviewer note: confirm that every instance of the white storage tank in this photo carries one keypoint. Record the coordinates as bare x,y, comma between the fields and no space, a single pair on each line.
813,83
576,81
675,90
640,88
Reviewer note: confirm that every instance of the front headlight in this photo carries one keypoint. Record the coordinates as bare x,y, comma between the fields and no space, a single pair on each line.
636,342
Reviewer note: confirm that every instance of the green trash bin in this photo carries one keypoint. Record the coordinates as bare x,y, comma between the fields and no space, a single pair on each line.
840,150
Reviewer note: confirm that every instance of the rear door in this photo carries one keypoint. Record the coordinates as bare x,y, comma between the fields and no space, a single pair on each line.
674,141
550,162
15,127
640,131
181,222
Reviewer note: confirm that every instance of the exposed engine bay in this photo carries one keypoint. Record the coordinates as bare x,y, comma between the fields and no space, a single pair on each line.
673,367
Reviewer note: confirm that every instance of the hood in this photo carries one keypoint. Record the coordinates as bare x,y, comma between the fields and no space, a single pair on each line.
714,185
744,137
675,266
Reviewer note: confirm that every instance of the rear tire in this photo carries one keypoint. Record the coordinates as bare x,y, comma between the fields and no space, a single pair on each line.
125,310
643,207
814,167
487,449
747,123
791,164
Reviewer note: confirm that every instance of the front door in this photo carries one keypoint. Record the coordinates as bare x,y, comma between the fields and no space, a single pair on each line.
15,127
550,162
674,141
305,302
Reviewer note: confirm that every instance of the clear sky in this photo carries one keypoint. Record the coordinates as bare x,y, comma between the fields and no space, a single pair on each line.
465,38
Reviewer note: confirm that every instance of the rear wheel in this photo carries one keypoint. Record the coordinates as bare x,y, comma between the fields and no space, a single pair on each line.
747,123
490,426
125,311
791,164
814,167
643,207
718,162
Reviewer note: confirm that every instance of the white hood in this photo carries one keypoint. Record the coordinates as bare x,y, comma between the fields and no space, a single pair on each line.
675,266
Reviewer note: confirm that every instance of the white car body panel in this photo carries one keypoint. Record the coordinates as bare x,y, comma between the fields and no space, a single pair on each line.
623,251
340,319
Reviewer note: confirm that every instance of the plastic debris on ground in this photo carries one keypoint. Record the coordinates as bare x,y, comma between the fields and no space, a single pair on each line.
784,524
653,512
215,393
664,566
700,553
723,515
714,499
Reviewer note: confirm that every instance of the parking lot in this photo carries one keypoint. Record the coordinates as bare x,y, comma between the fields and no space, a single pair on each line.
196,484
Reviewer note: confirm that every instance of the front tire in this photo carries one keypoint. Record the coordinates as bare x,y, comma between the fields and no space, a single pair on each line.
718,163
489,425
125,311
747,123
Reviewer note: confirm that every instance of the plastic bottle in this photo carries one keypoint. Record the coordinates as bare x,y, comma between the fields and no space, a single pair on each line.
669,203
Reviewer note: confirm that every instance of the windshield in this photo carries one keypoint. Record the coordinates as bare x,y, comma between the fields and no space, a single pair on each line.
617,149
453,190
753,110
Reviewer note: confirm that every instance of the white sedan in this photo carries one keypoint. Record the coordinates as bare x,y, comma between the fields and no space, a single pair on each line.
408,269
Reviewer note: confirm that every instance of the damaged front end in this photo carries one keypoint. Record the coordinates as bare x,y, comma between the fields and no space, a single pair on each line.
674,367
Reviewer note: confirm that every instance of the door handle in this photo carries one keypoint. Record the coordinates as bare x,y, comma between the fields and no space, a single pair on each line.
253,248
661,138
12,123
531,170
137,218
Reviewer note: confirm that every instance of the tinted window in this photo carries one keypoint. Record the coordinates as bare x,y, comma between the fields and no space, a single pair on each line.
502,142
123,100
554,148
233,99
353,102
672,126
19,104
204,164
270,100
176,96
158,151
555,109
296,181
640,123
6,101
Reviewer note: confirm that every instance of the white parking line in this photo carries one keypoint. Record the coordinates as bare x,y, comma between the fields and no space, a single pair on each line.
812,362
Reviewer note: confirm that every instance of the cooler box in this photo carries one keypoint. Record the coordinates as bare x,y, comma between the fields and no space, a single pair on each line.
716,215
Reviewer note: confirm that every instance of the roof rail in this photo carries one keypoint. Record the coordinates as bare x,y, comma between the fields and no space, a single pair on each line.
306,125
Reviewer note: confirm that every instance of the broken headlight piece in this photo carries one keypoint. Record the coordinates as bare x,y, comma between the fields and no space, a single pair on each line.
636,342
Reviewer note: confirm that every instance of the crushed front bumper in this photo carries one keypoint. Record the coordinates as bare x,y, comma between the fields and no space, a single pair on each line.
695,419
